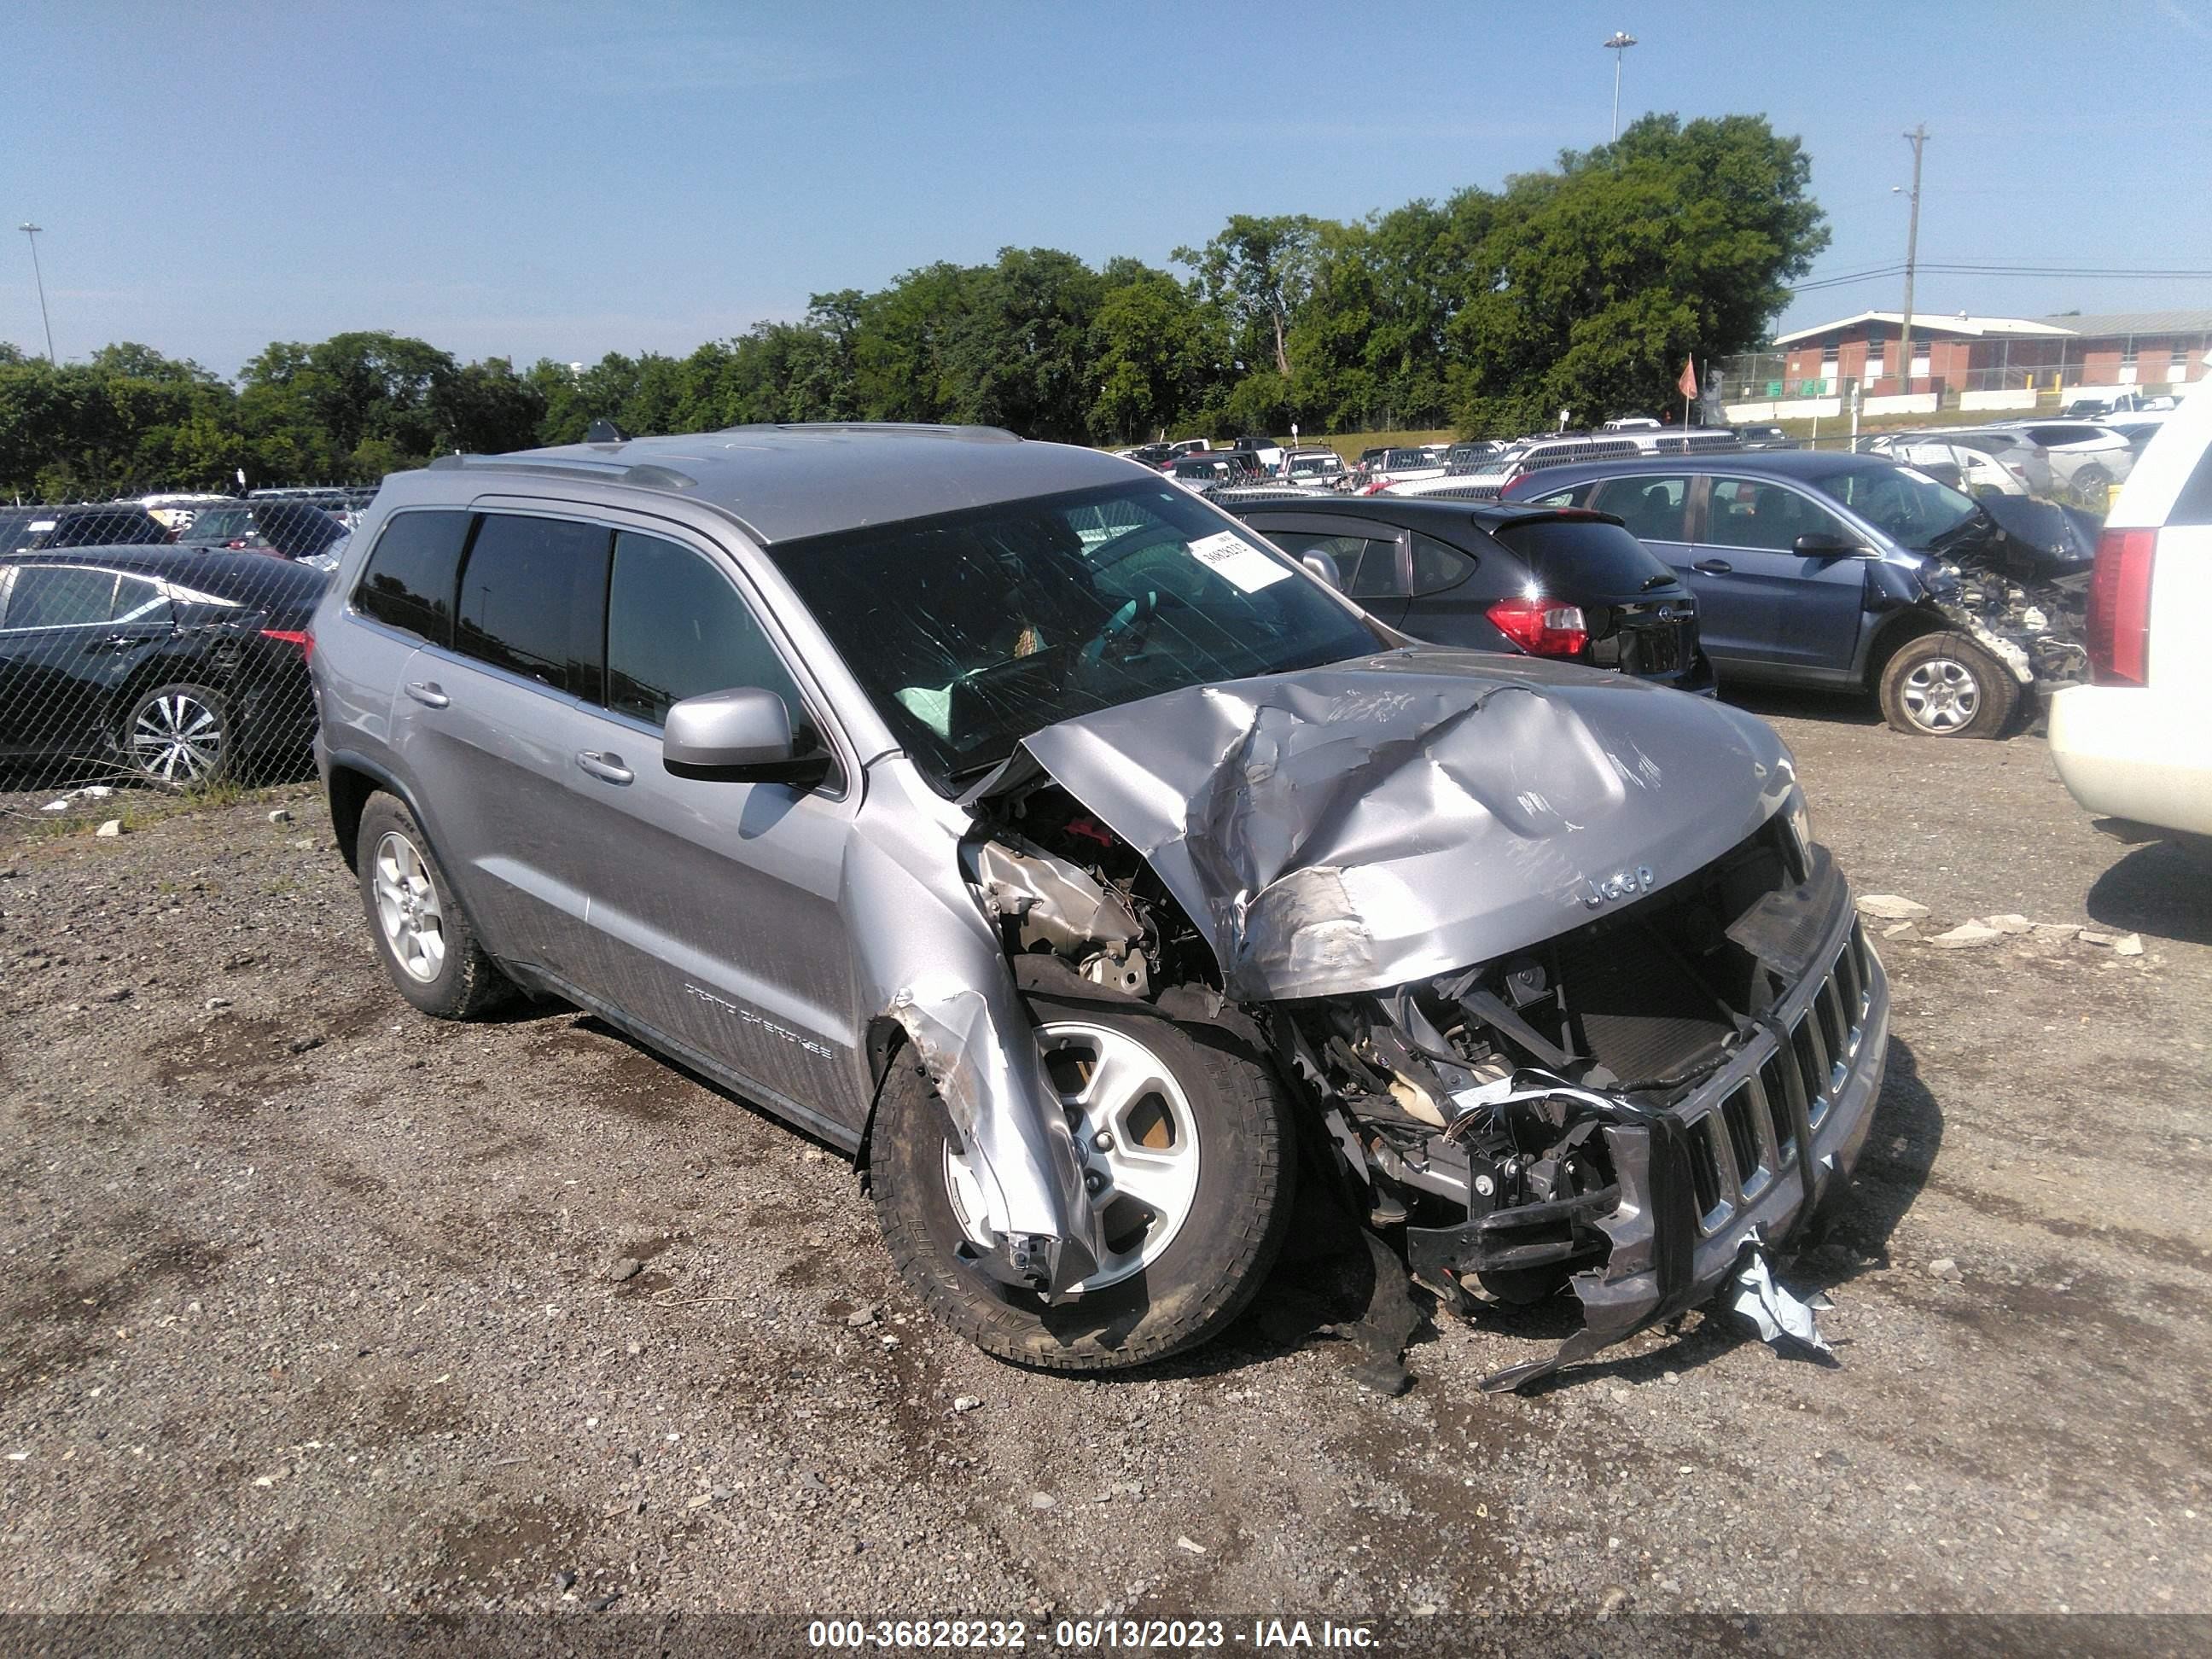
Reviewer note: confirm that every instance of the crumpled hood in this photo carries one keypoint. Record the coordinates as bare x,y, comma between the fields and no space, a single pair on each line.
1366,823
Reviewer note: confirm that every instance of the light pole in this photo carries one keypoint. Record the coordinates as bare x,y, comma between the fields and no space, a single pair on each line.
32,232
1618,45
1918,139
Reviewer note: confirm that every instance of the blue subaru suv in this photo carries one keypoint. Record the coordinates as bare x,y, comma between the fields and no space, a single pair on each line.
1850,573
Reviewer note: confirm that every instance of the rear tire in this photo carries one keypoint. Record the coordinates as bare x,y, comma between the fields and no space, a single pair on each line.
1946,685
178,734
1229,1217
422,936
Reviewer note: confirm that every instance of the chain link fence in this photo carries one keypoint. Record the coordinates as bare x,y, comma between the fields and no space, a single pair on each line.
160,640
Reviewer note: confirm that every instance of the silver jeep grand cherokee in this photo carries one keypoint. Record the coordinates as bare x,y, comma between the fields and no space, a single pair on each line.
1008,816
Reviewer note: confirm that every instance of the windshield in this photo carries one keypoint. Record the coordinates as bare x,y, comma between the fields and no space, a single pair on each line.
971,630
1908,507
1301,464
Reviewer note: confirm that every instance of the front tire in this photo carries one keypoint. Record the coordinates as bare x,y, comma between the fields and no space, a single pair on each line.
1194,1185
1944,685
423,938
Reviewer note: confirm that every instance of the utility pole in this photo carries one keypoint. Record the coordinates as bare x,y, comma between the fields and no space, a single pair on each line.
39,277
1618,45
1918,138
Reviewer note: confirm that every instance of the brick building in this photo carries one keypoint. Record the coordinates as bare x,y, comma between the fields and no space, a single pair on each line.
1956,355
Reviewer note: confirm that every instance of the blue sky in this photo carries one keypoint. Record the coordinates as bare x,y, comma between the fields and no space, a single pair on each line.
536,178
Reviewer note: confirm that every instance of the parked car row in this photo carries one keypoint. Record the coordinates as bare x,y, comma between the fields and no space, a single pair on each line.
285,525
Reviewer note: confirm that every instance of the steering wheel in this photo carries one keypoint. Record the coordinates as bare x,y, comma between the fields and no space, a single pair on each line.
1124,633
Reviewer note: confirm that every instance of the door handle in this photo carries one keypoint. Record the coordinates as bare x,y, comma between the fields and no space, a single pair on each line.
117,642
1713,567
428,693
607,768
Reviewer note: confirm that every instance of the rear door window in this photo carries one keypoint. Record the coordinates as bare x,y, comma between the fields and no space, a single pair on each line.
533,600
411,572
59,596
1653,510
676,629
139,600
1585,556
1366,568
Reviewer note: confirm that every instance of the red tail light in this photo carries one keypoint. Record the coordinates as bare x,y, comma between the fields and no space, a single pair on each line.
2119,608
292,636
1376,487
1541,627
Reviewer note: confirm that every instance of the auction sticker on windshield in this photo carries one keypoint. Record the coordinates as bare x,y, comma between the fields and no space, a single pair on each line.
1236,560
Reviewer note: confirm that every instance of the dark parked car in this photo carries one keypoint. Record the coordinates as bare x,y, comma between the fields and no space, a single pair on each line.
177,662
36,529
1844,572
1570,585
1764,437
295,530
1217,466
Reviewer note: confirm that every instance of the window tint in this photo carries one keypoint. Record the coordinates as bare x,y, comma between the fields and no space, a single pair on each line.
1365,569
138,600
409,581
59,596
676,629
106,529
2053,436
2194,504
1584,556
1436,567
1653,510
1754,513
533,600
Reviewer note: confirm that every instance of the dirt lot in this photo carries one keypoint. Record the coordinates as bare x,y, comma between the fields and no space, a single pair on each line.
306,1302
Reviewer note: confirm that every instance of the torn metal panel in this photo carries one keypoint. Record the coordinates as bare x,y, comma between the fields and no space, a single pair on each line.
929,959
1779,1317
1356,826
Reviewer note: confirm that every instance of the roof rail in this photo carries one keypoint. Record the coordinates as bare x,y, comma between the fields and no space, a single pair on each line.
642,474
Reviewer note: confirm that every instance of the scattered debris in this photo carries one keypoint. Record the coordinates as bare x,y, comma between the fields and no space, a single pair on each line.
1965,936
216,1005
1944,1267
2008,923
1183,1541
1888,907
2132,946
864,1315
564,1581
965,1403
2091,936
1042,1501
1774,1310
112,993
628,1268
110,829
1896,929
281,815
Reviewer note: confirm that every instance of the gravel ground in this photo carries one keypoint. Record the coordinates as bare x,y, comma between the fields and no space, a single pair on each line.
306,1302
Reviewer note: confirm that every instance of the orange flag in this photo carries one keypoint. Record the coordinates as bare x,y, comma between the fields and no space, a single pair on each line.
1687,386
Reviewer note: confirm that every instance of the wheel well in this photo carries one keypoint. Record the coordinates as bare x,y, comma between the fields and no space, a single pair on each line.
886,1036
1904,626
349,790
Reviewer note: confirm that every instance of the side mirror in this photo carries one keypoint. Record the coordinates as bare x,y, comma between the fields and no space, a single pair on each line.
1323,569
741,735
1822,544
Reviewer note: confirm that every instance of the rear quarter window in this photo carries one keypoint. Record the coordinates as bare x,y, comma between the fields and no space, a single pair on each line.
1583,557
409,578
2193,506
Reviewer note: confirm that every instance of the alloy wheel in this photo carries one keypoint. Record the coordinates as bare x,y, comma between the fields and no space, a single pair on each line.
407,908
1941,694
176,738
1135,1134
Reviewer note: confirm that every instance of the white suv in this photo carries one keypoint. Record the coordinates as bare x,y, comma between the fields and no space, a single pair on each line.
2137,744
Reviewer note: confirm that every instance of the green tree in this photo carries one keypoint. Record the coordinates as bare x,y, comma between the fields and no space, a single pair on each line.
1149,355
1593,283
1259,271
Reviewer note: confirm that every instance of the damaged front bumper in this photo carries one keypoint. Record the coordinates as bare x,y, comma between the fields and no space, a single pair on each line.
1764,1144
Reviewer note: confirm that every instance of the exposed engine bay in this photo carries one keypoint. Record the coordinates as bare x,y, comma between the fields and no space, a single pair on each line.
1506,1126
2024,581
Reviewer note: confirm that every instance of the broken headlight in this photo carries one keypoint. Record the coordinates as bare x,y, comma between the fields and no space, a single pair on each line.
1799,817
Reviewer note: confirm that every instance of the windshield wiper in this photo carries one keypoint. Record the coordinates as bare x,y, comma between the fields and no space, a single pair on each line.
1660,580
